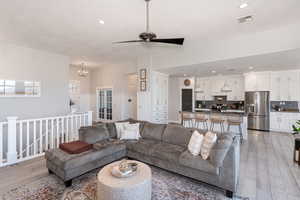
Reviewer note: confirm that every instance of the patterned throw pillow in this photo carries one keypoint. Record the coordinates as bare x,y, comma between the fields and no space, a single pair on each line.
120,126
210,139
195,143
131,132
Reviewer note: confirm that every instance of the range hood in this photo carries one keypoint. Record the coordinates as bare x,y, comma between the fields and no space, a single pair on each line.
226,88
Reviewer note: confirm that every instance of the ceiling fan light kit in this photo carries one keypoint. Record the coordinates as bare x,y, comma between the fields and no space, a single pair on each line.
150,37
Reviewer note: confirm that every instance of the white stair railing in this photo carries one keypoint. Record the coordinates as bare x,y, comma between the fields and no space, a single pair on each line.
26,139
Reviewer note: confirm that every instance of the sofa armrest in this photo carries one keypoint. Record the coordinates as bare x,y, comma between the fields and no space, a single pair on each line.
93,134
229,172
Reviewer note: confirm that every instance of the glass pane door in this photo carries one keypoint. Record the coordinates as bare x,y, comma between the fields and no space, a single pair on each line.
104,104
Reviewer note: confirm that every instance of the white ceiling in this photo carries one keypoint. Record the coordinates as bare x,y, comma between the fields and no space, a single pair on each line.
71,27
273,61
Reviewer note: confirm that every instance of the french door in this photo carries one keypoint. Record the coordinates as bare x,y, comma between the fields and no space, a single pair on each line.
104,104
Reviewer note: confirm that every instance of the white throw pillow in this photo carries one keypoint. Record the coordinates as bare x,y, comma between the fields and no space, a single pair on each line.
120,126
195,143
210,139
134,127
128,134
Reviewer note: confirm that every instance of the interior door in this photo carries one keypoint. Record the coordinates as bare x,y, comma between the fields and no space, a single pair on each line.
104,107
187,100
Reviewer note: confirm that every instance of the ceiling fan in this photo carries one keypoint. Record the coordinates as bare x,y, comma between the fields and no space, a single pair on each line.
149,36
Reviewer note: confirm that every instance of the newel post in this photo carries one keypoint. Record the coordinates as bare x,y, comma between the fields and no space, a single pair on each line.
90,118
12,140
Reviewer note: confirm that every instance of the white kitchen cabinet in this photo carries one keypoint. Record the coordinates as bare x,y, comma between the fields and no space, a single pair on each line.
237,86
285,86
283,121
203,89
257,81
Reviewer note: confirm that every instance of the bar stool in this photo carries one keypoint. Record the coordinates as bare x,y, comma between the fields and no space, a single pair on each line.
201,119
217,119
187,118
235,121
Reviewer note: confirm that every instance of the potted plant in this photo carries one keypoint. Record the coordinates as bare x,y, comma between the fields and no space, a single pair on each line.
296,129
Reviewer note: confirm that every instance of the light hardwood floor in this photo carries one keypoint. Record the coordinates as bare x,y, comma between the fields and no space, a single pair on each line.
267,170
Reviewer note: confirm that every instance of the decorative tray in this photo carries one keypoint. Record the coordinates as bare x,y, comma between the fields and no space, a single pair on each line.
124,170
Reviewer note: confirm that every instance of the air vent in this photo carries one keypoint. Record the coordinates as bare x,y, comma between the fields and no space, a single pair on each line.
245,19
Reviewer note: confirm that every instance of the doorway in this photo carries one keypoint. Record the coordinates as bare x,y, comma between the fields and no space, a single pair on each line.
104,104
187,100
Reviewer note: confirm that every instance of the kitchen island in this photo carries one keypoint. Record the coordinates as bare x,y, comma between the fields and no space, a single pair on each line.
225,115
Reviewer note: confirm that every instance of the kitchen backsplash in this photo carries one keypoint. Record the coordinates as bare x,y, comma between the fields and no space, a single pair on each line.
291,106
236,105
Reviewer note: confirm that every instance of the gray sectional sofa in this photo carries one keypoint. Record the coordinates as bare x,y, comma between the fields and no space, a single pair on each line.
163,146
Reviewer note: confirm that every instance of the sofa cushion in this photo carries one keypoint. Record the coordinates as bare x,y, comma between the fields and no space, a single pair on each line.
112,145
220,149
196,162
177,135
75,147
111,128
153,131
168,152
143,146
93,134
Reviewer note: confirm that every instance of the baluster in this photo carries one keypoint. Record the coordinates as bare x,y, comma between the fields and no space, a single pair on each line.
52,133
57,132
72,128
21,140
67,129
80,120
1,144
27,139
47,135
76,126
62,130
41,136
34,138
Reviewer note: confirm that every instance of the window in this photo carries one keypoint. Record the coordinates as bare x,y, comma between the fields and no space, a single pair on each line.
12,88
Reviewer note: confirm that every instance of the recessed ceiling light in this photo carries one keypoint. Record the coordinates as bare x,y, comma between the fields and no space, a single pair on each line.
244,5
213,71
101,21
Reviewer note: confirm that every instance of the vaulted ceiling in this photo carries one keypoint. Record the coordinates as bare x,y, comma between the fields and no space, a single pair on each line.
72,28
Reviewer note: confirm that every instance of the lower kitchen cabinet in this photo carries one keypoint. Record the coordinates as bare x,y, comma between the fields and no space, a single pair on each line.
283,122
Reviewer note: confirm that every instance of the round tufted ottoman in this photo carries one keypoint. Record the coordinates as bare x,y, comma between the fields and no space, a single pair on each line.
136,187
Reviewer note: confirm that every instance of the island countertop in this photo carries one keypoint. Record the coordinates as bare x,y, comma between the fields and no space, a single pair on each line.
224,112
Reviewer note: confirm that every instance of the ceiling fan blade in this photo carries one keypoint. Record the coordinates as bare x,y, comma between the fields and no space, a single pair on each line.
178,41
129,41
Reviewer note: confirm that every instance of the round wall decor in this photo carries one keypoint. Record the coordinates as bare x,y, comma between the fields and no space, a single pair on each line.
187,82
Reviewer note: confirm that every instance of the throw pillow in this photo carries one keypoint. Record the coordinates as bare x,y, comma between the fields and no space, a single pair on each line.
133,127
128,134
195,143
210,139
120,126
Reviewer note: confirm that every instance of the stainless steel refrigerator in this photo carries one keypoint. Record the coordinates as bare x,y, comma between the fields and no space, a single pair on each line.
258,109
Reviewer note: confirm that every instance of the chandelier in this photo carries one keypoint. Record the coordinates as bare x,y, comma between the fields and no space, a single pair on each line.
83,72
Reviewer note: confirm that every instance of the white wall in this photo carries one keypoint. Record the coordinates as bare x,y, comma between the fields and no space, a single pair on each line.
85,88
21,63
174,99
115,76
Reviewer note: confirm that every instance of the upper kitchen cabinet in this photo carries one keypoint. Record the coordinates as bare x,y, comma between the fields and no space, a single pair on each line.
257,81
203,89
236,84
285,85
